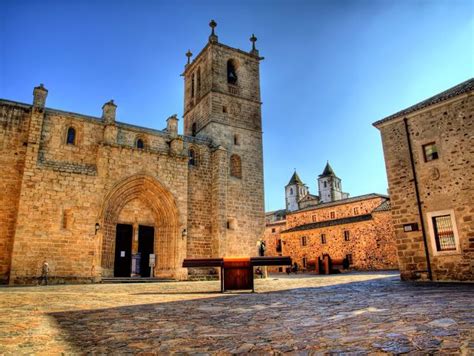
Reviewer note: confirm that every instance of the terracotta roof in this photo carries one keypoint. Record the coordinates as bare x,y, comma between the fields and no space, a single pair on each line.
459,89
317,225
328,171
295,179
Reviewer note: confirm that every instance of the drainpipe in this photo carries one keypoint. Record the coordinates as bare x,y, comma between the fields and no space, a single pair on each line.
417,193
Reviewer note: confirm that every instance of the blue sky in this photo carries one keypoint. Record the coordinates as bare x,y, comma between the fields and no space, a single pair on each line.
331,68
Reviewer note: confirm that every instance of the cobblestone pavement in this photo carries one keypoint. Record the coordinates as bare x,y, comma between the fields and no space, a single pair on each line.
355,313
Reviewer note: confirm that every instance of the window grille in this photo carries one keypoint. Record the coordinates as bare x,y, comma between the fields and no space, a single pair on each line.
444,233
323,238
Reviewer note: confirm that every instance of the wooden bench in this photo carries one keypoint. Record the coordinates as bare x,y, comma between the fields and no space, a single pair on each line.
237,272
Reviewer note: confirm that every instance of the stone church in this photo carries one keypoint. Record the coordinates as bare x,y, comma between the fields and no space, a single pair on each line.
96,197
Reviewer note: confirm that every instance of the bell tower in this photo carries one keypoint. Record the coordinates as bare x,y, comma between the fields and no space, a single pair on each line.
222,104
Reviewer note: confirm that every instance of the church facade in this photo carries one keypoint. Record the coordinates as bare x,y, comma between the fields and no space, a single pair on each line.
358,229
95,197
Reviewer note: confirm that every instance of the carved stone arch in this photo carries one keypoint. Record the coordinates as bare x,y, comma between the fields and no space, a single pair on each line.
162,203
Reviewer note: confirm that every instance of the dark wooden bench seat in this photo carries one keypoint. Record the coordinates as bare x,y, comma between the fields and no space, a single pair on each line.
237,272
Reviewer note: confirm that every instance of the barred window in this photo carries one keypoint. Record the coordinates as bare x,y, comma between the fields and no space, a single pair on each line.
356,211
333,214
323,238
444,233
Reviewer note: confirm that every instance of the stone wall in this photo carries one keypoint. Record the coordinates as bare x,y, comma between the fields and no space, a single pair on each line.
371,241
14,121
445,184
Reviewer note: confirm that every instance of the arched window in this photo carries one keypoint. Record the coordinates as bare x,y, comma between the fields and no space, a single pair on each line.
194,129
71,136
140,144
192,157
291,191
235,166
231,72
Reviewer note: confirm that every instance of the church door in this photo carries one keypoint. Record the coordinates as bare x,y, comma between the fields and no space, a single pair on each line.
123,250
146,240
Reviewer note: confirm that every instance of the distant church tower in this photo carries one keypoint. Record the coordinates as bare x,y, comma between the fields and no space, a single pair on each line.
222,105
294,191
330,187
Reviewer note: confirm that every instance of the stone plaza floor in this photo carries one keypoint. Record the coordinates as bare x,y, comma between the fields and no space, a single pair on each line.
355,313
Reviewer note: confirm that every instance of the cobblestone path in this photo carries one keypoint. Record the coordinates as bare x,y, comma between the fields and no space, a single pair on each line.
355,313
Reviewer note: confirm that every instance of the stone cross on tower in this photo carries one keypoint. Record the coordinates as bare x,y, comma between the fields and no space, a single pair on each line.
253,39
213,37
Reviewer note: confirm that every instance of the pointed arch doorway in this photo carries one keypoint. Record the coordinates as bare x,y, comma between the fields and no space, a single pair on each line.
139,215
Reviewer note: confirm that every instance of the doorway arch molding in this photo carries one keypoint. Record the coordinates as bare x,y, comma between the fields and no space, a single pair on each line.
163,204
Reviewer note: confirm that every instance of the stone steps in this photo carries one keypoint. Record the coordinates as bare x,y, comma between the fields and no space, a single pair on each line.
135,280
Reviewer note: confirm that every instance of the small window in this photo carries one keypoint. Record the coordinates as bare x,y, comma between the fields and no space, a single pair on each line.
304,261
346,235
71,136
303,241
323,239
314,218
349,258
235,166
232,224
192,157
325,184
192,86
430,152
236,140
224,109
139,144
231,72
356,211
194,129
333,214
291,191
273,230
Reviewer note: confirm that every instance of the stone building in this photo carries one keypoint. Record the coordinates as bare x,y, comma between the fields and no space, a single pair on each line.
358,228
429,151
87,194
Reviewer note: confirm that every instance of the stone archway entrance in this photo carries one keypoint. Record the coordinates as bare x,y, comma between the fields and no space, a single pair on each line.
141,207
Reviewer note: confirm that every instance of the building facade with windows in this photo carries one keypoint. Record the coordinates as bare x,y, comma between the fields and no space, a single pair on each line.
95,197
429,150
358,228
